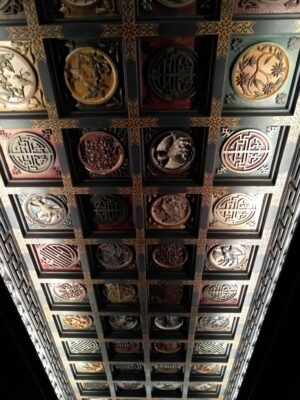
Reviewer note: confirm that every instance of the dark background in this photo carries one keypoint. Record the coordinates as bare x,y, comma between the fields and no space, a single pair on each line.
273,371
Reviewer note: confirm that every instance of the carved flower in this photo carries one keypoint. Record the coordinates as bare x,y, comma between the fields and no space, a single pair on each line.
242,79
293,43
237,45
281,98
230,98
277,69
268,88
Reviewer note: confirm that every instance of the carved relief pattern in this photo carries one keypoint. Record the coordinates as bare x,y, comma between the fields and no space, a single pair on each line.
34,31
17,280
245,151
225,28
20,87
227,211
267,6
129,30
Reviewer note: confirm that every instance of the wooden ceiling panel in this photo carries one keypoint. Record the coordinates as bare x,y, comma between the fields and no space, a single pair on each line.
149,186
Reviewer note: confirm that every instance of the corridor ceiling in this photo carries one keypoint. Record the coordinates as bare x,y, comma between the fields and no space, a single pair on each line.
149,186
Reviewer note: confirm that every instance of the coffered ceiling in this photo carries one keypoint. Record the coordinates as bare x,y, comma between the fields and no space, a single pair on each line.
149,186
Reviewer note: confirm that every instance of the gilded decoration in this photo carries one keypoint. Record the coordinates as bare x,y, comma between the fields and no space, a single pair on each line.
129,30
215,120
134,122
225,28
34,31
209,246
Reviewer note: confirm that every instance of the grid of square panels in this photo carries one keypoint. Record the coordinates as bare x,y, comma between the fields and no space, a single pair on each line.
143,202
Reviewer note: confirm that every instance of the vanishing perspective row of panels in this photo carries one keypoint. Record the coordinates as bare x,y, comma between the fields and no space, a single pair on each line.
190,325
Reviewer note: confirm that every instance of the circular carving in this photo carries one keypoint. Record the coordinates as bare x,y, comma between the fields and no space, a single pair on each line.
17,77
129,368
70,291
167,386
245,151
220,292
58,256
166,294
130,385
45,210
234,209
94,386
126,347
123,322
30,152
170,256
206,369
84,347
167,347
78,321
260,71
176,3
109,209
203,387
167,369
214,322
120,293
169,322
172,152
173,73
90,367
227,257
90,75
171,210
81,3
210,347
114,256
100,153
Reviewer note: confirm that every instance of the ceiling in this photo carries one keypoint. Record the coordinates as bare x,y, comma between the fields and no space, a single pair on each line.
149,187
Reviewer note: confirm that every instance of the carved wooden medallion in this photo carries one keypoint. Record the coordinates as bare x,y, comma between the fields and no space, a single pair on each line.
114,256
109,209
17,78
58,256
172,152
171,210
235,209
120,293
245,151
90,75
227,257
90,367
173,73
260,71
100,153
70,291
45,210
170,256
168,322
30,152
167,386
123,322
78,321
167,347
